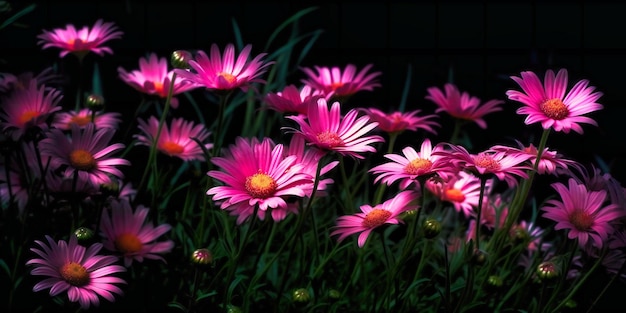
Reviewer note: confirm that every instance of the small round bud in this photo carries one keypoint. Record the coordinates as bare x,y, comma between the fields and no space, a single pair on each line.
334,294
571,304
180,59
519,234
83,234
94,102
409,214
202,257
494,282
233,309
432,228
301,295
110,189
547,270
479,257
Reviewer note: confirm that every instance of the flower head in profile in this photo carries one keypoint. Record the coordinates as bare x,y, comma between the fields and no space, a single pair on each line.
332,80
82,117
27,108
550,162
86,153
461,105
551,104
81,272
82,41
257,174
292,100
397,122
10,82
372,217
309,157
582,212
326,129
127,232
461,190
16,177
176,139
222,71
154,78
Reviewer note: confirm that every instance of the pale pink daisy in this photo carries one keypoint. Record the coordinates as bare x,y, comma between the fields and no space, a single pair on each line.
127,232
27,108
551,162
341,83
154,78
375,216
461,190
582,212
176,139
461,105
292,100
82,272
549,104
222,71
82,117
82,41
412,164
257,174
326,129
85,153
397,122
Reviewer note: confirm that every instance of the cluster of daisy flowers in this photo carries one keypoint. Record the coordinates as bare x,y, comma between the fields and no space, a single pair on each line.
72,166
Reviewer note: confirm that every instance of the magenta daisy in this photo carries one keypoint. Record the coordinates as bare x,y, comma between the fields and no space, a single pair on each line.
292,100
372,217
128,233
332,80
550,162
154,78
397,122
27,108
10,82
85,153
325,128
412,164
176,139
461,190
309,158
582,212
82,41
257,174
222,71
80,271
82,117
462,105
549,104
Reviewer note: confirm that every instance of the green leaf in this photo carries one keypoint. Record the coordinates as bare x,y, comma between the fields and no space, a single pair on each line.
405,91
17,15
5,267
177,305
292,19
96,81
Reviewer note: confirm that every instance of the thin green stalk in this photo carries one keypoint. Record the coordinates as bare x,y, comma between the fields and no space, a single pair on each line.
380,191
479,209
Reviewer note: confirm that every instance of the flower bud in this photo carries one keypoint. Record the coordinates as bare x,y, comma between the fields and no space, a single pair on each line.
111,188
334,294
94,102
202,257
494,282
432,228
519,234
83,234
301,295
180,59
547,270
479,257
233,309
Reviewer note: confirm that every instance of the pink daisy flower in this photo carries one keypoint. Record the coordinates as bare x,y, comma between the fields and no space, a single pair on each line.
222,71
10,82
461,190
327,130
154,78
27,108
292,100
397,122
372,217
257,173
341,83
549,104
309,157
532,234
412,164
128,233
582,213
462,105
17,178
80,271
176,139
85,153
549,163
82,117
82,41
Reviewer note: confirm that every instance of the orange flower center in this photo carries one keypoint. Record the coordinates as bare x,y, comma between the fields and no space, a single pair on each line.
581,220
260,185
128,243
554,109
336,85
375,218
82,160
75,274
454,195
418,166
80,120
329,139
487,162
28,116
171,148
230,78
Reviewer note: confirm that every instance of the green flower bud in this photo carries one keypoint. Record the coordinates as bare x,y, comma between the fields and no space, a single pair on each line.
233,309
301,295
202,257
83,234
494,282
180,59
547,270
94,102
432,228
479,257
334,294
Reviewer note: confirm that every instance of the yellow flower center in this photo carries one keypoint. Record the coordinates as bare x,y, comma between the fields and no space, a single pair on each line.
487,162
80,120
82,160
27,117
418,166
260,185
230,78
329,139
581,220
171,148
554,109
128,243
454,195
75,274
375,218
